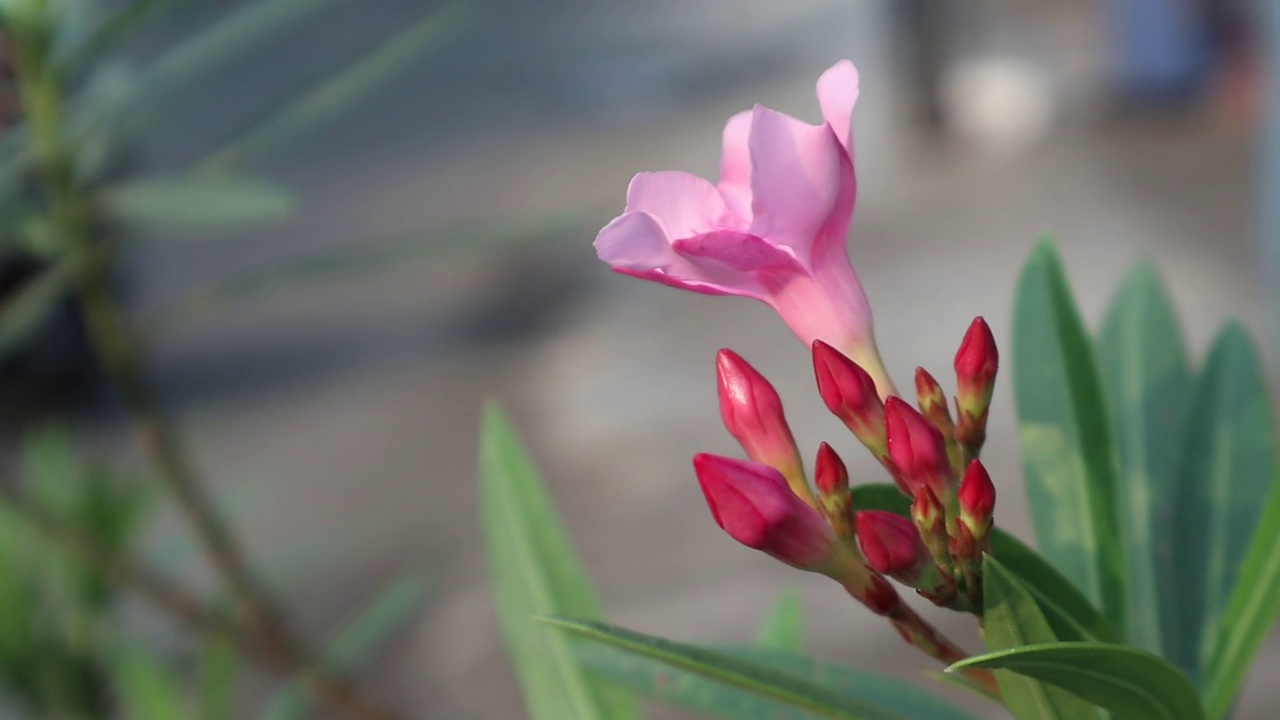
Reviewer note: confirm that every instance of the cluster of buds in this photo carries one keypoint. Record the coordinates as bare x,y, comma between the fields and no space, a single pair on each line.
768,504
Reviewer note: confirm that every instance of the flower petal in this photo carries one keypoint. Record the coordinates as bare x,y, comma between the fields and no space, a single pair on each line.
684,204
635,244
796,179
738,251
735,166
837,94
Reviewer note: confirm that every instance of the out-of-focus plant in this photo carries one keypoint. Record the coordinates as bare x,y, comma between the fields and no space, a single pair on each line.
1152,486
74,108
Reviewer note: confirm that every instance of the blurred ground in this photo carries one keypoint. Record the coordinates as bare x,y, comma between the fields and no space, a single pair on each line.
351,410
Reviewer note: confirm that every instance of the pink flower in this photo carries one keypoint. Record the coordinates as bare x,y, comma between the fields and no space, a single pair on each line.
752,503
774,228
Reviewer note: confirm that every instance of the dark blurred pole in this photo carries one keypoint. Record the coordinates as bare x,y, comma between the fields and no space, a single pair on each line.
922,30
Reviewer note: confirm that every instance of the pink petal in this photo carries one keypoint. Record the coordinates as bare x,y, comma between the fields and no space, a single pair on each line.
796,178
735,166
739,251
684,204
636,244
837,94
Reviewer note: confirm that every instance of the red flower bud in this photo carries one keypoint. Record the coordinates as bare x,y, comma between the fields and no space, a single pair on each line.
976,364
832,478
933,401
977,497
917,448
891,544
850,394
752,412
752,503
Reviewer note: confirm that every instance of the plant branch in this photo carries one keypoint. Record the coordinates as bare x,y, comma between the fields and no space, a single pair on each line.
334,691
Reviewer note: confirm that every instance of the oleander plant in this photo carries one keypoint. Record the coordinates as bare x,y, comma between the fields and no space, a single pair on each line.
1151,481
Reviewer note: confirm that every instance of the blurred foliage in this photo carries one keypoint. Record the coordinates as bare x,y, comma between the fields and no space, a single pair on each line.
82,87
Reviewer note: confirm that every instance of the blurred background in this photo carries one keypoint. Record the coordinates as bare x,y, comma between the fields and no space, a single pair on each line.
426,182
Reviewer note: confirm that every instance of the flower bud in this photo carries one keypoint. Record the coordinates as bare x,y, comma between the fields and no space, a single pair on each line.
850,394
918,450
929,515
892,546
977,496
752,412
976,364
933,402
832,478
752,503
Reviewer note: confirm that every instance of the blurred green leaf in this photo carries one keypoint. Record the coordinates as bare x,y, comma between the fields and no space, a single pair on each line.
356,261
1067,456
1069,613
107,35
147,688
225,39
321,102
219,667
1144,369
781,688
783,627
1228,468
31,306
381,619
1129,682
535,571
186,204
1251,613
892,698
1011,618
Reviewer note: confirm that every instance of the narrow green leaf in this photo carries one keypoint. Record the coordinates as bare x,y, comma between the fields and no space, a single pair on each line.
357,260
219,668
1144,369
1069,613
1067,457
1251,613
323,101
147,688
690,690
1012,619
783,627
32,305
225,39
752,677
185,204
1129,682
1228,469
362,635
535,571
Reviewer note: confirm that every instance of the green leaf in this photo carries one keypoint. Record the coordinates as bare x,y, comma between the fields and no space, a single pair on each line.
319,270
323,101
111,32
1228,469
1067,457
370,629
219,666
690,690
1012,619
30,307
1129,682
147,688
725,668
783,627
1144,369
535,571
1251,613
185,204
1069,613
225,39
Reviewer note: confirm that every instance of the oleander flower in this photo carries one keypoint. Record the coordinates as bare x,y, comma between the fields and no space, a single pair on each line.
774,228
